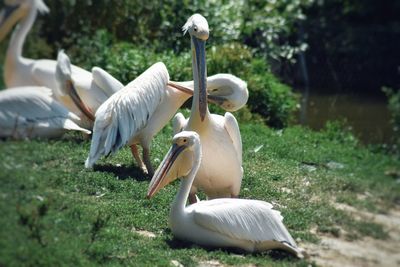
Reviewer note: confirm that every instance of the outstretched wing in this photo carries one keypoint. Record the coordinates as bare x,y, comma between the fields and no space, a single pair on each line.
243,219
106,81
126,112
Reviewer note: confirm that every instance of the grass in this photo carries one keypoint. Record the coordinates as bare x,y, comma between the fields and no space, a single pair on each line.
54,212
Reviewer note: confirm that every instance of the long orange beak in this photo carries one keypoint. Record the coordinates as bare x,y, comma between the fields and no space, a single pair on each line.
78,101
161,177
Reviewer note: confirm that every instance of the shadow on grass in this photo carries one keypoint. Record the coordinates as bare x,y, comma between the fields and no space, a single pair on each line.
275,254
75,137
123,172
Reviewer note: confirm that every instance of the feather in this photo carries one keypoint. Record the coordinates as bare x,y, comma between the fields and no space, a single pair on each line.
127,111
251,220
32,112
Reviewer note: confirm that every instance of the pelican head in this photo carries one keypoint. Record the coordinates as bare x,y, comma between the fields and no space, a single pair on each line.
197,27
178,162
15,10
66,85
227,91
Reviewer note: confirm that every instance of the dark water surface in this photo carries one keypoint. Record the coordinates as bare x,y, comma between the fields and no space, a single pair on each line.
367,115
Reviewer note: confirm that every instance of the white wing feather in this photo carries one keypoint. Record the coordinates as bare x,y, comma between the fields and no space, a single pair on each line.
232,127
106,81
32,107
127,111
243,219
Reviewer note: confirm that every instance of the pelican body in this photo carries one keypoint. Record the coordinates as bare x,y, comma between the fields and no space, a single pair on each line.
30,112
136,113
220,173
251,225
93,87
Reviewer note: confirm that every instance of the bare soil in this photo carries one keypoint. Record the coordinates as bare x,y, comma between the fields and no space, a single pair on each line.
367,251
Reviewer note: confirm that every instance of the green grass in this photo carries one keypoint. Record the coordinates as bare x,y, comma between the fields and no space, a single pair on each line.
54,212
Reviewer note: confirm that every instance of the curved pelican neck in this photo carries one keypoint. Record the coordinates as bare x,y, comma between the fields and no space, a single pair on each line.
178,207
14,51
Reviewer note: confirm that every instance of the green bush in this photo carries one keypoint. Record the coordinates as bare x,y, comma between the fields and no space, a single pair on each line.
394,108
267,26
268,97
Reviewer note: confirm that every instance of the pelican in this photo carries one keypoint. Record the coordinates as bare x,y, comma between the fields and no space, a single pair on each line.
220,173
136,113
83,95
93,87
251,225
30,112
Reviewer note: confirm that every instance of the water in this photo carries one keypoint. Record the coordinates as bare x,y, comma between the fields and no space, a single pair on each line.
367,115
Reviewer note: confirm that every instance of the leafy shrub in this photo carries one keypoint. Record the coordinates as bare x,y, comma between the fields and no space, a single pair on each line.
266,26
339,131
268,97
394,108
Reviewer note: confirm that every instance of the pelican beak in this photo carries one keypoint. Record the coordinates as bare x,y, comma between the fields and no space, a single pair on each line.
200,64
9,15
78,101
161,177
182,88
216,99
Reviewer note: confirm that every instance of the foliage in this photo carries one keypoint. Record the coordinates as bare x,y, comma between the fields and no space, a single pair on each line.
54,212
338,131
269,97
266,26
394,108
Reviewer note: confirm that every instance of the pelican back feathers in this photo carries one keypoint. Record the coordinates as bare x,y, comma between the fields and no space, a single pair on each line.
31,112
126,112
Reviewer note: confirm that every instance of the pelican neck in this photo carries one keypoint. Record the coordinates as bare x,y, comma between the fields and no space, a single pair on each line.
179,204
19,36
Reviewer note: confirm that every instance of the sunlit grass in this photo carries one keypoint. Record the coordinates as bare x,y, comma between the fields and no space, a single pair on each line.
54,211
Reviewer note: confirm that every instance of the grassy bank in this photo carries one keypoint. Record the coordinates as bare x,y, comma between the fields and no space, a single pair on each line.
54,212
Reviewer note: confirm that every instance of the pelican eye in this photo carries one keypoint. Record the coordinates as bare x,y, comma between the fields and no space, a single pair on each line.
184,140
195,29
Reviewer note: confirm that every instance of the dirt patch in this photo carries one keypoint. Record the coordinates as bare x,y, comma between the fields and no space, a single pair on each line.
364,252
144,233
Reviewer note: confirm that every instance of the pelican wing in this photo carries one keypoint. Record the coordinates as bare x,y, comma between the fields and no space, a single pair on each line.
243,219
32,107
178,123
126,112
106,81
232,127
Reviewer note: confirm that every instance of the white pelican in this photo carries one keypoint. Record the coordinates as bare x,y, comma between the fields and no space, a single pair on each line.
93,88
220,173
30,112
83,95
251,225
136,113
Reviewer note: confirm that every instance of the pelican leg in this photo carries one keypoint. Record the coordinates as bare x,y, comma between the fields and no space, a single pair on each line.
147,161
136,156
